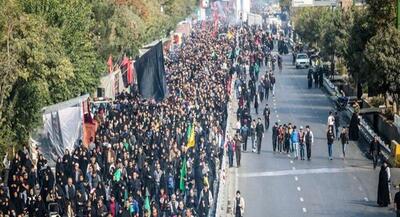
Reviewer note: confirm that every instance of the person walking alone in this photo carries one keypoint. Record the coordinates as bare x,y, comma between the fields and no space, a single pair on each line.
273,80
266,114
256,103
267,86
375,150
275,132
238,149
309,139
330,138
260,134
238,205
261,90
253,135
231,148
344,138
383,199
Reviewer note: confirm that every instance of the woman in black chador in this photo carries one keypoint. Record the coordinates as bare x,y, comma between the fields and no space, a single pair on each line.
383,186
353,128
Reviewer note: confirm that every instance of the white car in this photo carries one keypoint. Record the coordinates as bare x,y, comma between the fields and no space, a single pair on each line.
302,61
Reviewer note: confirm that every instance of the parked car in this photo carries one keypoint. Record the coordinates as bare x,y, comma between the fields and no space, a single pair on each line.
302,61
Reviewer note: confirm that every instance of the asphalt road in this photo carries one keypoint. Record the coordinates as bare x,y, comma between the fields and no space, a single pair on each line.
276,185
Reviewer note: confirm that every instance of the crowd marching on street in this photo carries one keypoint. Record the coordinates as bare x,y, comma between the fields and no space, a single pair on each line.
251,88
148,158
161,159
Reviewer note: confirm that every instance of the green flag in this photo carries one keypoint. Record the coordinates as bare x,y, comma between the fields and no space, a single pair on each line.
188,132
117,175
126,146
183,175
125,195
147,203
256,68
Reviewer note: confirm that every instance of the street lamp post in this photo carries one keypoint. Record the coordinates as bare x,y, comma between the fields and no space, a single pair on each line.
398,14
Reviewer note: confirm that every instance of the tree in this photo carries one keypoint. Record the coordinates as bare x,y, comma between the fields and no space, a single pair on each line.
285,4
382,54
359,34
53,50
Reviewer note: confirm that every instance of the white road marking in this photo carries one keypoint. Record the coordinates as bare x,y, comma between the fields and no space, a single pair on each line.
304,209
301,199
360,188
279,120
301,172
288,155
277,116
291,161
355,178
276,111
296,178
293,168
298,188
366,199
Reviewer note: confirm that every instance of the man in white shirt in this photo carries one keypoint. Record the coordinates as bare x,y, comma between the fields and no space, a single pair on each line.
331,119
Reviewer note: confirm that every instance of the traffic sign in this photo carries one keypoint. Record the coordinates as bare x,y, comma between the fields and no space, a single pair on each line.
313,3
302,3
325,3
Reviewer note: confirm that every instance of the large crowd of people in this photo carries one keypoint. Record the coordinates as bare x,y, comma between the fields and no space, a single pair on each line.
140,162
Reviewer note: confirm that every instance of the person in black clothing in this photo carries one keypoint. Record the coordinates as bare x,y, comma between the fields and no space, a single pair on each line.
256,103
397,203
266,114
316,78
383,199
337,125
310,78
260,134
344,137
353,128
244,133
330,139
375,150
275,133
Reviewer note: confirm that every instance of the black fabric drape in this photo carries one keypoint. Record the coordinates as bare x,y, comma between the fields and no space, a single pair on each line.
151,74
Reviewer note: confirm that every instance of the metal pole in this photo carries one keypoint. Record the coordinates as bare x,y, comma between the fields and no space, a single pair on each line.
398,14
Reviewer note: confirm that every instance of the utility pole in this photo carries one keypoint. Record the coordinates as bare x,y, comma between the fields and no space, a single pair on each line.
398,14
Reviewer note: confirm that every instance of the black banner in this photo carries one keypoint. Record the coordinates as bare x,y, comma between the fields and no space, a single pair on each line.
151,73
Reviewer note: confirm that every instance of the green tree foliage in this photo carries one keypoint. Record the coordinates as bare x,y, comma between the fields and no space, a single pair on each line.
53,50
285,4
321,27
359,34
369,24
382,56
364,37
